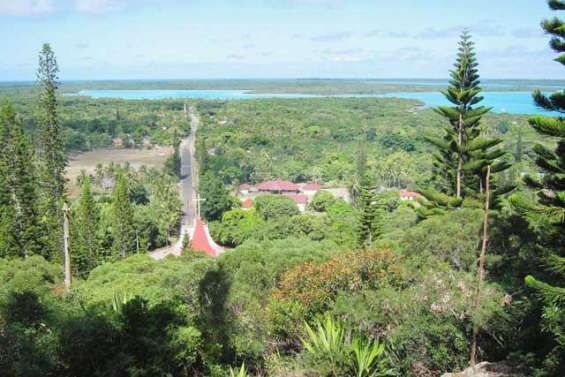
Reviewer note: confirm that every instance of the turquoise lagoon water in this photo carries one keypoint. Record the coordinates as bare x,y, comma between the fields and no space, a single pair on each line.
501,102
141,94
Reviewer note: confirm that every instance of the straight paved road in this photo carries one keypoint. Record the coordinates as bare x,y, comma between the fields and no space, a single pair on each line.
188,182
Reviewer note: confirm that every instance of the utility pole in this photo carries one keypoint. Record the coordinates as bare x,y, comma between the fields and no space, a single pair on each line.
67,255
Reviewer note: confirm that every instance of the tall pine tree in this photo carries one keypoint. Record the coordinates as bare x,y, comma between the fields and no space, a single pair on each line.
462,155
550,206
123,230
85,225
21,230
464,92
53,161
371,215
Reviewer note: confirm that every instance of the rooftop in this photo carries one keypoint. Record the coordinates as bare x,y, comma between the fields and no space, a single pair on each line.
278,185
298,198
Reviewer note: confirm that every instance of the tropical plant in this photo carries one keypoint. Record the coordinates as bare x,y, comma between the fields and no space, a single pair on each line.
241,372
337,351
327,344
369,358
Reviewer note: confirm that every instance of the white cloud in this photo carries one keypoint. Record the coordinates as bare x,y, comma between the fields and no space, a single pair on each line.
25,7
98,6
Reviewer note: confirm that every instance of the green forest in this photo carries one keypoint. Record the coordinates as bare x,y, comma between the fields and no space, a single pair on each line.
472,271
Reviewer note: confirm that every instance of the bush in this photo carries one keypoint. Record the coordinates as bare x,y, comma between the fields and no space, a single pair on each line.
315,285
322,201
274,206
333,350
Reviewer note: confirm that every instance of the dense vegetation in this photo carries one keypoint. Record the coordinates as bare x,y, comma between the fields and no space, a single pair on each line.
471,271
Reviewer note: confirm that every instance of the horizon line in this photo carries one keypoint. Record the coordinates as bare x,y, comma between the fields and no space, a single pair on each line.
72,80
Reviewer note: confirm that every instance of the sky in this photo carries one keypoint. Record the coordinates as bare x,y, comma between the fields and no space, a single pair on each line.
184,39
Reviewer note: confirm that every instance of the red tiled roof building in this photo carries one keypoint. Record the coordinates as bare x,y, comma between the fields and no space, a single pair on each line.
278,187
409,195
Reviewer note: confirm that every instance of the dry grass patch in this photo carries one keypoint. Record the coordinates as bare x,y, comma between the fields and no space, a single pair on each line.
136,157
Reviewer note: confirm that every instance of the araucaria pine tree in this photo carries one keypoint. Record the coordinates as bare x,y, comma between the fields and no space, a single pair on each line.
370,216
463,154
123,230
550,205
85,235
464,118
52,158
20,227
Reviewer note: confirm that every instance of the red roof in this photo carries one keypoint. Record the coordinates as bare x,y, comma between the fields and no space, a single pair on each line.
247,203
200,241
409,194
298,198
278,185
245,186
310,187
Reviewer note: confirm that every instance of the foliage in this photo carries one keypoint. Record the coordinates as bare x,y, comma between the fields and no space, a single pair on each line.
271,207
21,230
315,285
51,152
322,201
371,216
237,226
452,237
550,205
84,237
335,351
463,154
242,372
217,199
327,347
122,218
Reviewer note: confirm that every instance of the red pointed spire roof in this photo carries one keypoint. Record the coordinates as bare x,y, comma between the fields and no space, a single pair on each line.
201,240
247,203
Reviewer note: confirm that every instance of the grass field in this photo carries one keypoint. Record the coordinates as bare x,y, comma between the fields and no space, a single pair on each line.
136,157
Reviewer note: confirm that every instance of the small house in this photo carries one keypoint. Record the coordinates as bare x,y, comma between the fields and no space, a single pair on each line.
118,142
409,195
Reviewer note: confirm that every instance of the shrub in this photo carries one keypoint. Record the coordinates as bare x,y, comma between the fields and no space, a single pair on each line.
322,201
273,206
315,285
333,350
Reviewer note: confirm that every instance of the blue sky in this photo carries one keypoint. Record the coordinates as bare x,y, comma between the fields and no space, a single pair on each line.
150,39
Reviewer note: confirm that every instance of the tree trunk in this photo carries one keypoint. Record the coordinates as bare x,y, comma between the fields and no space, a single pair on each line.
66,253
481,272
459,172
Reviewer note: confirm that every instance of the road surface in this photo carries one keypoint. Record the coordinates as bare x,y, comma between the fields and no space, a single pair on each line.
188,181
